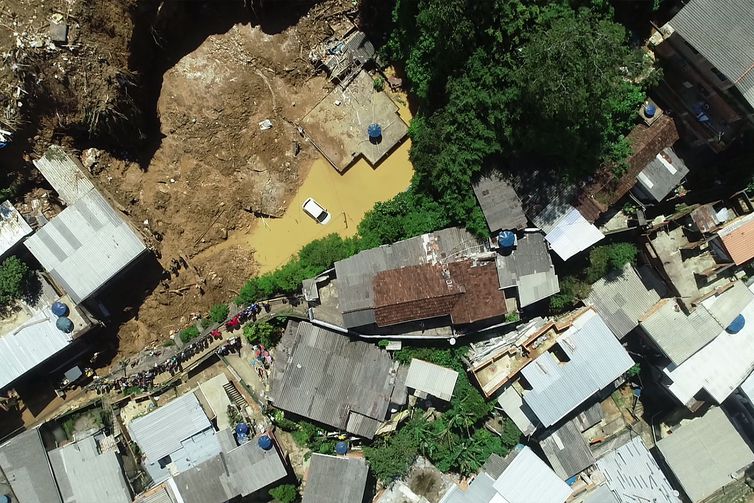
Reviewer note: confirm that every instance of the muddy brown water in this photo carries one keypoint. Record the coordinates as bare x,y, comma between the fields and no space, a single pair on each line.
346,197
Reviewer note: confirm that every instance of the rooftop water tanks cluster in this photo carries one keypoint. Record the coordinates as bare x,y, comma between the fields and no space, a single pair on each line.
63,323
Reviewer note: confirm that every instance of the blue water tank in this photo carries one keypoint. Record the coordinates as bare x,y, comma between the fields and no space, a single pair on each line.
64,324
242,429
59,309
4,498
736,325
650,110
506,239
374,131
341,448
265,442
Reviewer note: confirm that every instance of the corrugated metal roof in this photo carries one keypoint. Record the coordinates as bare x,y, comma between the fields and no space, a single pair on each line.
85,246
334,479
571,233
500,204
662,174
704,452
325,376
738,238
515,408
251,468
567,451
719,367
726,306
527,478
162,432
721,32
596,359
157,494
26,466
621,299
632,474
64,174
86,476
13,227
430,378
677,334
529,268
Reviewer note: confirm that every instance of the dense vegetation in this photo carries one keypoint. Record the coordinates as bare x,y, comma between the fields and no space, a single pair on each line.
285,493
500,79
602,261
312,259
455,441
262,332
14,279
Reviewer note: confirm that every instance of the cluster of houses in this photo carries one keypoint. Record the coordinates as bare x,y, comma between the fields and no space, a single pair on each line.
80,251
571,384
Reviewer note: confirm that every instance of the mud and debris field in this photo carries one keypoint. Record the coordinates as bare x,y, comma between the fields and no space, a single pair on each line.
163,103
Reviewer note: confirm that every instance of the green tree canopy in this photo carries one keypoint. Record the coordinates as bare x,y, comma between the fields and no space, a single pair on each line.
14,275
285,493
576,86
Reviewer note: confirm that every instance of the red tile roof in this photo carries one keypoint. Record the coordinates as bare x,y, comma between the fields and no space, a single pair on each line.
413,293
738,239
483,298
464,291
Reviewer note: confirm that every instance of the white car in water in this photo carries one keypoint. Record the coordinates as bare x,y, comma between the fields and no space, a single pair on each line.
317,212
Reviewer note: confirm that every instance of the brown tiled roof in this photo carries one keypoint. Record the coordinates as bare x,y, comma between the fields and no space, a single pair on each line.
646,142
413,293
483,298
461,290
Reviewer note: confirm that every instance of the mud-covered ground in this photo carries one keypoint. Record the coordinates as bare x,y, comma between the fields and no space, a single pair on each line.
162,101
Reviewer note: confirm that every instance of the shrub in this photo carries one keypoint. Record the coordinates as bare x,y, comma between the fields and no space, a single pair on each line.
612,257
285,493
219,313
14,274
189,333
262,333
378,84
572,290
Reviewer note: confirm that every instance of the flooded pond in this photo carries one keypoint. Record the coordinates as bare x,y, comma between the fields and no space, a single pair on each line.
346,197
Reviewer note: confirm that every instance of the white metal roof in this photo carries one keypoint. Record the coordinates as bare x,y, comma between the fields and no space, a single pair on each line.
719,367
85,246
13,227
704,452
632,474
430,378
64,174
595,360
30,336
572,233
527,478
163,431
